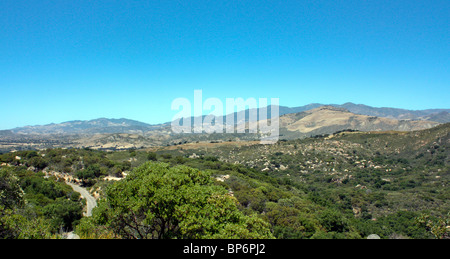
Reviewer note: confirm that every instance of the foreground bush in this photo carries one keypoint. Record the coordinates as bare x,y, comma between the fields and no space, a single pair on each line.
159,201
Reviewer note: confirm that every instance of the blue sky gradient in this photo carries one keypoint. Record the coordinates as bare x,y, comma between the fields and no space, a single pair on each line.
79,60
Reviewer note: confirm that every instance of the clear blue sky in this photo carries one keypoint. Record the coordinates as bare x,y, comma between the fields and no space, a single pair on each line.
67,60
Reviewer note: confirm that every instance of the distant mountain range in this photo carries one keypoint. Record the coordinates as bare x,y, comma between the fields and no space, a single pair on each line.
437,115
103,125
297,122
330,119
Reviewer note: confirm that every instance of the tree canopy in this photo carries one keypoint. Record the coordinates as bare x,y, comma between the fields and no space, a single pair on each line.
157,201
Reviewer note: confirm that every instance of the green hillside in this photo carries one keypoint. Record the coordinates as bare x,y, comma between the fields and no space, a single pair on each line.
344,185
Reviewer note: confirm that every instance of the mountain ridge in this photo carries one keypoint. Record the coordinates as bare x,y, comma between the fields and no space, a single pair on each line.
123,125
119,134
329,119
100,125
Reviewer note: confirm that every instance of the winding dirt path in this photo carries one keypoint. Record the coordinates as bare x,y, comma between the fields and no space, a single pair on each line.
91,203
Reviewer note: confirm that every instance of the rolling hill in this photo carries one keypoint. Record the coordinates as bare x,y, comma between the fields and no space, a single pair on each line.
101,125
297,122
329,119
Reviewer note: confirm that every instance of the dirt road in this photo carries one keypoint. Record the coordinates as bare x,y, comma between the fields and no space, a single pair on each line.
91,203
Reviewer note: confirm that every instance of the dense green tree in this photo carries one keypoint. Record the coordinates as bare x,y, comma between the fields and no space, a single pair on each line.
13,225
159,201
90,172
438,226
333,221
152,156
89,175
35,186
63,213
38,162
11,194
292,218
17,226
